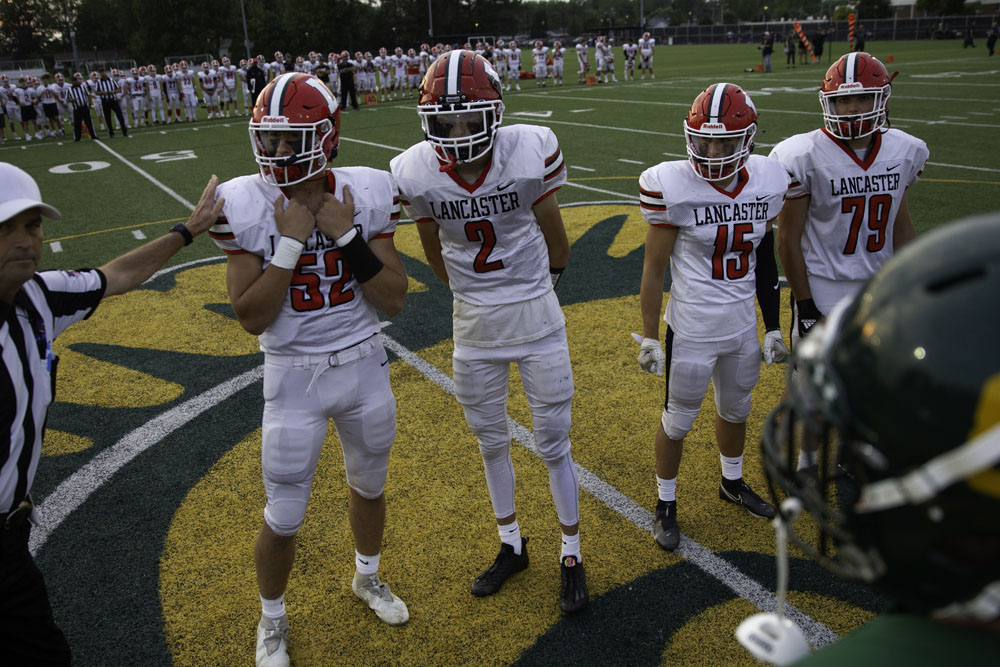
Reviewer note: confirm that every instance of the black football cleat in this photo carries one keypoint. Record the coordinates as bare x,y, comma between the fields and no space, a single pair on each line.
737,492
573,596
665,530
507,563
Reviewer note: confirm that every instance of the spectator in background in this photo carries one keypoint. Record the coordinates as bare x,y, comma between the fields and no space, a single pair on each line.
256,79
766,49
818,39
859,38
970,34
991,38
790,49
347,88
803,52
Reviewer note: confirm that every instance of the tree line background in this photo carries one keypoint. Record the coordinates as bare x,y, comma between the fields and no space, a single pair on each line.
150,29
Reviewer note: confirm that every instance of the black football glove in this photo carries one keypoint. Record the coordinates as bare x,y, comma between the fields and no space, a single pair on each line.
808,315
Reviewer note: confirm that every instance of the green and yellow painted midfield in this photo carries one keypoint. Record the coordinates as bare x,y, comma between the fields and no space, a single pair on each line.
162,549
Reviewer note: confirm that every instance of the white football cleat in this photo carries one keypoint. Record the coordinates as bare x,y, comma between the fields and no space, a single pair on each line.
388,607
272,642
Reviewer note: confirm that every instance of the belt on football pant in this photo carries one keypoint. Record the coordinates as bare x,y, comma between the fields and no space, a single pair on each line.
324,361
17,518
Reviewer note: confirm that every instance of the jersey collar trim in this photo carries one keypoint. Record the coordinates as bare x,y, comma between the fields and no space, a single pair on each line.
872,151
741,180
471,187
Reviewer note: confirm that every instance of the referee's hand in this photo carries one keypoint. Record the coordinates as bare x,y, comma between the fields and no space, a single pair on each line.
208,209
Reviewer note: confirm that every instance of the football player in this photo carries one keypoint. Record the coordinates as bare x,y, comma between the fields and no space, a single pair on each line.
227,91
710,220
492,231
647,45
8,98
558,54
583,60
171,83
398,60
185,76
310,257
847,209
900,393
154,90
601,53
135,84
513,65
540,56
629,50
382,67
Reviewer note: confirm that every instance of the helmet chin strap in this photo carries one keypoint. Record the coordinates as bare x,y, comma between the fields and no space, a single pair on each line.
447,160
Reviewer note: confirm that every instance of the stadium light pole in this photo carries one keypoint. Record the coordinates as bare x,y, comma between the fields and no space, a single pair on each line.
642,15
430,20
246,37
72,40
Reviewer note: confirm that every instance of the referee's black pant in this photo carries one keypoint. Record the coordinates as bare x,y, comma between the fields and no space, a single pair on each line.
28,633
81,116
109,106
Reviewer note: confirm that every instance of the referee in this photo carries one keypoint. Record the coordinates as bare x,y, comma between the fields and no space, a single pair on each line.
34,309
79,96
108,90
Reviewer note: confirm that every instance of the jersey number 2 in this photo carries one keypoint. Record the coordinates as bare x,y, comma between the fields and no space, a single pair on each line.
481,231
304,290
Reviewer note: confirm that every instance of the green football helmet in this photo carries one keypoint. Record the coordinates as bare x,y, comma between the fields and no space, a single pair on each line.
898,395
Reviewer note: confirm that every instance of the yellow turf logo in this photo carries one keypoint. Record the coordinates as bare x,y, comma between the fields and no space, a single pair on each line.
153,468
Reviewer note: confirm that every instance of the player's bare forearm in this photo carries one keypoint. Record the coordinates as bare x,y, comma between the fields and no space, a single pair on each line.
902,228
791,226
256,295
550,220
432,249
387,289
659,245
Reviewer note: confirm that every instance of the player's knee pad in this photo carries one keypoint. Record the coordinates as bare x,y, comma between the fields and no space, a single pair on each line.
677,424
493,436
551,424
284,515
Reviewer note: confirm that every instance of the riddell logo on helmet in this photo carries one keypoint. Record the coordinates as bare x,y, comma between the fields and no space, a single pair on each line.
850,86
274,119
712,126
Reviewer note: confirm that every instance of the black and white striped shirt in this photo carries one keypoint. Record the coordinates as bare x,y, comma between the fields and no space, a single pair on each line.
79,95
107,89
42,309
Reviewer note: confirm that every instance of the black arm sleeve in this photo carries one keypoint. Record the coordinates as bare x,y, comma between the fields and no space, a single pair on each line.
767,282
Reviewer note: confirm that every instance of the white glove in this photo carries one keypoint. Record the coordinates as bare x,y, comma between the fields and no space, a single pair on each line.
651,357
774,347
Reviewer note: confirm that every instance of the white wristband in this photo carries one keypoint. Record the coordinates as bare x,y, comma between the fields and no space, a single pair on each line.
341,241
286,255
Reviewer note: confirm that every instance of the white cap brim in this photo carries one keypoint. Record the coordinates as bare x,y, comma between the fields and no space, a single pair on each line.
10,208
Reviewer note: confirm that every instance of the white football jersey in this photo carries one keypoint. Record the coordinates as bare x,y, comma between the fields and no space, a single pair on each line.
853,203
540,55
713,263
646,46
325,309
492,245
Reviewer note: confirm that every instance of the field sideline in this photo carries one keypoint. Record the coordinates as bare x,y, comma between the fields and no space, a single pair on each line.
150,479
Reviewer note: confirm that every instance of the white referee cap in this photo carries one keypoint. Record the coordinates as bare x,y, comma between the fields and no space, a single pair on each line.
19,192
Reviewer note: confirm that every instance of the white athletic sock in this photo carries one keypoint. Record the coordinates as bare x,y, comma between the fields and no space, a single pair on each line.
511,534
273,608
806,459
666,489
570,546
366,565
732,467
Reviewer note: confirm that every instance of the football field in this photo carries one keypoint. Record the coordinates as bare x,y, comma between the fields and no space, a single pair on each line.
149,484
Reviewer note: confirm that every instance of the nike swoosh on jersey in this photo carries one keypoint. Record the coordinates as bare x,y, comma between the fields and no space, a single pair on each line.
759,197
504,186
892,167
